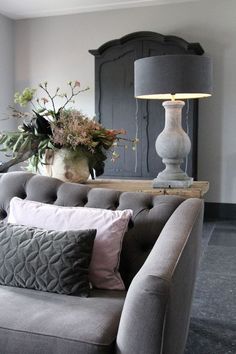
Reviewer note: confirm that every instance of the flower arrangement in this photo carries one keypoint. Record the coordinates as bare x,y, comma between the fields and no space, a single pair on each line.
50,128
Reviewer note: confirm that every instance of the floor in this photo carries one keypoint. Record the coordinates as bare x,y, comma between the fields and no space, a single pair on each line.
213,319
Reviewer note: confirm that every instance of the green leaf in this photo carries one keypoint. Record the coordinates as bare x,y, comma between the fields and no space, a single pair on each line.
3,138
17,144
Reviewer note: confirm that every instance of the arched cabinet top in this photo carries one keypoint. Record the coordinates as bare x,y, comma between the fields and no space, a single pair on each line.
191,48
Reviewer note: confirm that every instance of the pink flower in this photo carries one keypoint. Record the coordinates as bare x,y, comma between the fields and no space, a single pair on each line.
77,83
45,100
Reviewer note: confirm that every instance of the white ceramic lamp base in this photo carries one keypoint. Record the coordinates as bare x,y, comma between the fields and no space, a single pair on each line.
173,145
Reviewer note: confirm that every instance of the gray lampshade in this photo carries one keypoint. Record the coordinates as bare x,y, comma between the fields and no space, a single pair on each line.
185,76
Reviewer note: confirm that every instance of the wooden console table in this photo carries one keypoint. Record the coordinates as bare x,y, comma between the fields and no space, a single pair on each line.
197,190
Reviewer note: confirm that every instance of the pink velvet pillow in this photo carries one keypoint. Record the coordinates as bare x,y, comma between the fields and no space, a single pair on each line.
110,225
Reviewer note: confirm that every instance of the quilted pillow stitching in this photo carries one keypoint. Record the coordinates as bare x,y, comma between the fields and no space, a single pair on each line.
53,261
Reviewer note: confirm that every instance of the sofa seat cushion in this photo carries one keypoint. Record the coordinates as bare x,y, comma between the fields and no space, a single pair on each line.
41,323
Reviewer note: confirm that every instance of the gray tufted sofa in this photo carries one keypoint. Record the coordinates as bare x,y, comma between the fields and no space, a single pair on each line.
158,265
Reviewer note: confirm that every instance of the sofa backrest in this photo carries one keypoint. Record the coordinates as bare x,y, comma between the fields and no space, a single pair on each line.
150,212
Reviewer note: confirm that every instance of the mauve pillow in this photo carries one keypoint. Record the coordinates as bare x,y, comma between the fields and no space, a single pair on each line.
110,225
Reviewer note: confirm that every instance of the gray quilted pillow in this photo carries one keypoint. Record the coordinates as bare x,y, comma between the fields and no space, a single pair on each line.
54,261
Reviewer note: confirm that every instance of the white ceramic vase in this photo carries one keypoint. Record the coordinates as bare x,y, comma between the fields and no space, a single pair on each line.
67,165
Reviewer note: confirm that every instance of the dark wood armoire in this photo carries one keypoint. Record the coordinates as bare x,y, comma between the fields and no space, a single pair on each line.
116,107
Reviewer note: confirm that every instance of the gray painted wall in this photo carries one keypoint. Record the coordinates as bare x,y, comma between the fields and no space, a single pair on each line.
6,74
56,49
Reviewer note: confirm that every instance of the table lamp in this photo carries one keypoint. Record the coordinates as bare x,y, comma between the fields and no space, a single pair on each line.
173,78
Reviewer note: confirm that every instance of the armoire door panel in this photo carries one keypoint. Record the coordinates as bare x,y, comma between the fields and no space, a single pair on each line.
118,110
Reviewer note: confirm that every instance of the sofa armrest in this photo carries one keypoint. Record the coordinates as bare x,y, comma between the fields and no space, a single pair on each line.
155,317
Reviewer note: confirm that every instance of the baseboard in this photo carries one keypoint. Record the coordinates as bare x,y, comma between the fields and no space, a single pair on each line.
221,211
